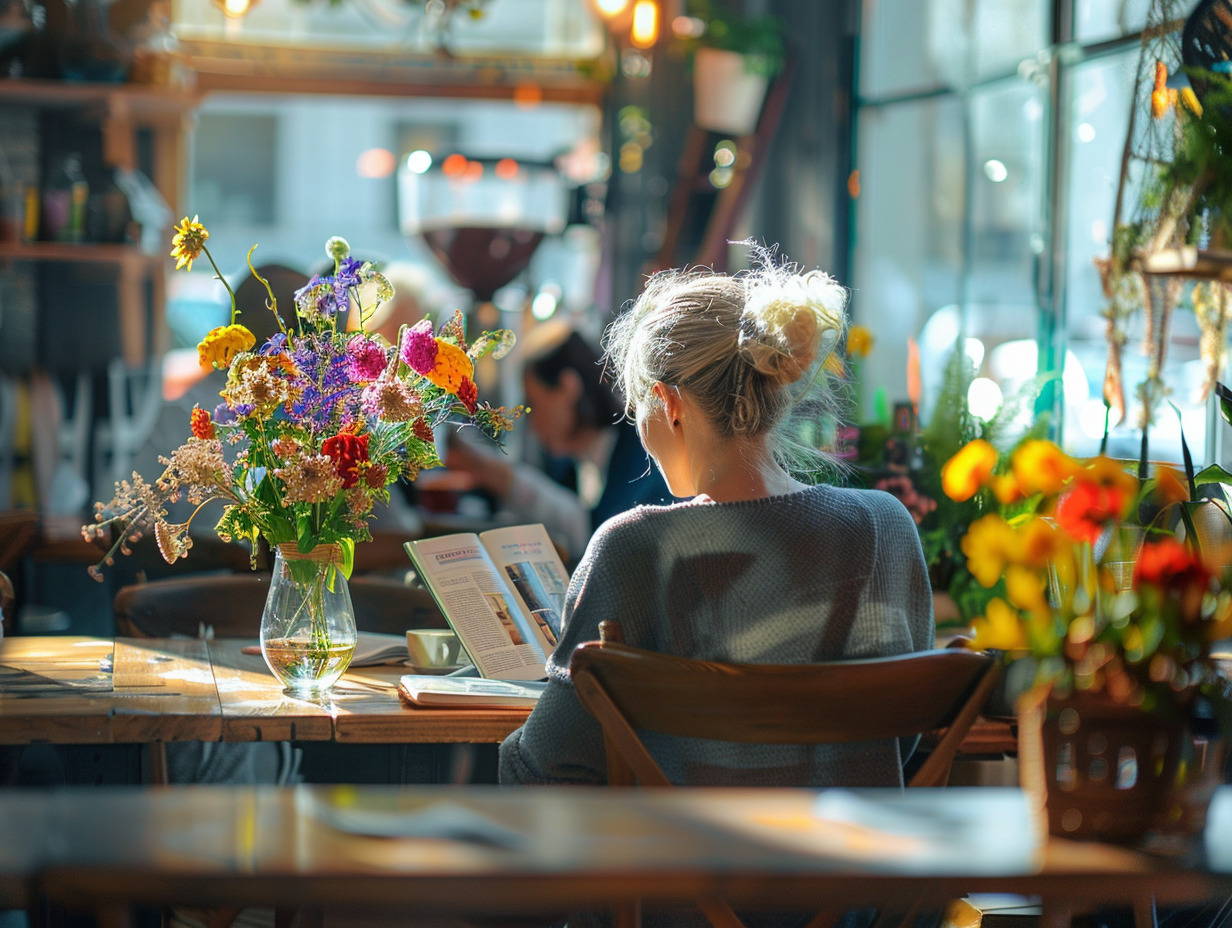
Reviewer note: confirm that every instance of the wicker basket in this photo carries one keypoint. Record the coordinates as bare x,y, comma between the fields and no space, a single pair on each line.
1101,771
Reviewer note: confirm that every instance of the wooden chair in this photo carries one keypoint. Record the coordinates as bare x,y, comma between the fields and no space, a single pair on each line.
230,606
630,690
8,603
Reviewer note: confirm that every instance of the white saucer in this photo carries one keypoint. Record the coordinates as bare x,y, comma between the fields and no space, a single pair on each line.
434,669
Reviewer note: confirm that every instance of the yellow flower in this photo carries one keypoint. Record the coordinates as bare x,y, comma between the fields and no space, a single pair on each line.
999,627
222,344
451,367
1190,100
988,545
859,342
1006,489
1041,467
1039,541
188,242
1024,588
968,470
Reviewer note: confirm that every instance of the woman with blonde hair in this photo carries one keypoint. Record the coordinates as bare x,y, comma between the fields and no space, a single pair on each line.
757,565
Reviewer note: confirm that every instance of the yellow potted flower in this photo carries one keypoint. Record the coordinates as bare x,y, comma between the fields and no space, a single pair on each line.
1119,614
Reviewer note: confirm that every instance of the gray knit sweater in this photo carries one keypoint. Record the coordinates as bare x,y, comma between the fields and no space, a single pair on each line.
822,574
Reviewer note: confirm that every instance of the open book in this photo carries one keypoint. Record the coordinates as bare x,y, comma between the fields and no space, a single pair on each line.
502,592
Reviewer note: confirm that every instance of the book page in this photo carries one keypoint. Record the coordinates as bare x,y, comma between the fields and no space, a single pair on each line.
473,692
480,607
535,574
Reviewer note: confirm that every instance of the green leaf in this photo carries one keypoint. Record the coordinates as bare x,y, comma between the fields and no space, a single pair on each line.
1225,401
347,545
1191,534
1188,458
1212,473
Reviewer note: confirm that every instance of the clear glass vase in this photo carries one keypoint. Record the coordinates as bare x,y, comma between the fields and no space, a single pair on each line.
308,626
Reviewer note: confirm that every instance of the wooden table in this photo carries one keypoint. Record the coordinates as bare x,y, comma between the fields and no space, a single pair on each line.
74,690
544,850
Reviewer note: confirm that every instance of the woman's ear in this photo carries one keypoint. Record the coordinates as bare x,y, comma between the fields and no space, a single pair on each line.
670,398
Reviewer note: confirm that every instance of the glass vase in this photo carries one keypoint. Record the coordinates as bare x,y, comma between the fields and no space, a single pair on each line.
308,626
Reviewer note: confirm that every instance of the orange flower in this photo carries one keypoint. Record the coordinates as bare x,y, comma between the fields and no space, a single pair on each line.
451,367
859,341
968,470
1041,467
202,425
1169,488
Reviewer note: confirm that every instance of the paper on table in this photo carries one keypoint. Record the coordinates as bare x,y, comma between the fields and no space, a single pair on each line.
440,819
903,833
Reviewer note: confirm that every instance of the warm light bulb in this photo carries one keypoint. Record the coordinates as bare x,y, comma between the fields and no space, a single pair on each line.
610,8
645,24
236,8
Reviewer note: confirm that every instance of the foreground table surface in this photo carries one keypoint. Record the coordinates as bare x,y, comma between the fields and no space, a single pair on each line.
80,690
531,850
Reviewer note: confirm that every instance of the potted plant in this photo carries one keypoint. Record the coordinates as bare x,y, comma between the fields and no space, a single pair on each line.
733,60
1120,612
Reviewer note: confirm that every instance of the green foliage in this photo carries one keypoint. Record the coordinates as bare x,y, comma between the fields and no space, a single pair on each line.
760,39
950,427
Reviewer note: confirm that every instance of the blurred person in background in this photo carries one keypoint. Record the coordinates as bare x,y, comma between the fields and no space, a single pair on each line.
596,466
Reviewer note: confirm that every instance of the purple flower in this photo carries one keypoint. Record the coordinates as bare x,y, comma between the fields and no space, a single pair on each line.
365,358
276,344
348,272
223,414
318,298
419,348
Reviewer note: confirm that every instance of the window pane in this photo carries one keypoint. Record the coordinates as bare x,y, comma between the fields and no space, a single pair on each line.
1008,129
1100,20
911,45
1096,130
1004,32
908,248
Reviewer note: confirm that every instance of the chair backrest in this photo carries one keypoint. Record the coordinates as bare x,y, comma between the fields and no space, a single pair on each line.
230,606
8,599
629,689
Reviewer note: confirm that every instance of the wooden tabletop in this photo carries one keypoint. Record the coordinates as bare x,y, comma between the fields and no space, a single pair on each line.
76,690
507,850
79,690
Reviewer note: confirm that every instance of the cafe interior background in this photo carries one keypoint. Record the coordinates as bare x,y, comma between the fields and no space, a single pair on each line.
954,162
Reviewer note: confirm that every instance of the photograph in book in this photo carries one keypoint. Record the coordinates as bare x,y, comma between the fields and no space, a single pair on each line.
501,591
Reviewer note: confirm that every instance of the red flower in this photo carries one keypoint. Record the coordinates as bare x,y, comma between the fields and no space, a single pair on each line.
422,430
202,425
1086,508
1169,564
348,452
468,393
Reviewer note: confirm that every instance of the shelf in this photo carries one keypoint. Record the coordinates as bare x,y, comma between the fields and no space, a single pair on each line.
1188,261
137,101
83,253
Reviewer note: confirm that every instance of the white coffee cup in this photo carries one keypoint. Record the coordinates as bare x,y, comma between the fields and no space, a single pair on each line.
432,647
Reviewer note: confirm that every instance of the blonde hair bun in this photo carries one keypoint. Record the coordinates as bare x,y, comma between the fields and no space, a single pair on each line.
791,321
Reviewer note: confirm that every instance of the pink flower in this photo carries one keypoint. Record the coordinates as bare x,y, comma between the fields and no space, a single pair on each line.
419,349
365,359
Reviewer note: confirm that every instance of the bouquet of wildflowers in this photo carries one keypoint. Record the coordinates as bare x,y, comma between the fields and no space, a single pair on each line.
324,420
1105,599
